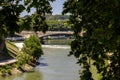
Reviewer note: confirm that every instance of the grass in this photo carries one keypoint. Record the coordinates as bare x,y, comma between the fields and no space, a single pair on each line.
12,49
10,53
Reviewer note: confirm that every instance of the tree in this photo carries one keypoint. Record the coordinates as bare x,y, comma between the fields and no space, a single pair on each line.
42,7
57,17
96,25
10,11
9,16
32,47
58,25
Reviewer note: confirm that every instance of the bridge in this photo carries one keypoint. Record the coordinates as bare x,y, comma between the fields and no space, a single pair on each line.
27,34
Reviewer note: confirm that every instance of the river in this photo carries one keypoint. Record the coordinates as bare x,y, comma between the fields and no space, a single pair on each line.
55,65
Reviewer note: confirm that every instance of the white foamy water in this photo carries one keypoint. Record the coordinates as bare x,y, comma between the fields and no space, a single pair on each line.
20,45
56,46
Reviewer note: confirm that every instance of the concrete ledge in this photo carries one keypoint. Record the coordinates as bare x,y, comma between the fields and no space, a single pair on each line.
9,61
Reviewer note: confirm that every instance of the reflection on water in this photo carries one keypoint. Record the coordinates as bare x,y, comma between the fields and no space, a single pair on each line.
58,41
55,65
25,76
33,76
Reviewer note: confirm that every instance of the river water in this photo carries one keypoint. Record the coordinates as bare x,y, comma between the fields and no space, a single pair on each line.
55,65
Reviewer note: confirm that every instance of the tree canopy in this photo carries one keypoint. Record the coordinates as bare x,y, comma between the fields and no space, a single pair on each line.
96,25
57,17
10,11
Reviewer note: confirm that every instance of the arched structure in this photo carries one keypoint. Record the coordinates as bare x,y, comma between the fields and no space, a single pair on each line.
26,34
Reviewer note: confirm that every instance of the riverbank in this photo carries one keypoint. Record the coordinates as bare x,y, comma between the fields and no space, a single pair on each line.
23,59
54,65
11,69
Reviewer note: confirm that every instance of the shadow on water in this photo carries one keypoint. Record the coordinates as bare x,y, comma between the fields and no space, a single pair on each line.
41,58
43,64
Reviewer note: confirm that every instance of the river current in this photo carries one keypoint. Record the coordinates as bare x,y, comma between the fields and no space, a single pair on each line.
54,65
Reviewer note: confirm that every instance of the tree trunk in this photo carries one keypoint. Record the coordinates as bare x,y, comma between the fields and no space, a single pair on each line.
2,45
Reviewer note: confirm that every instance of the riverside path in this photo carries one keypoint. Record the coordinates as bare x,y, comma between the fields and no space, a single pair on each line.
8,61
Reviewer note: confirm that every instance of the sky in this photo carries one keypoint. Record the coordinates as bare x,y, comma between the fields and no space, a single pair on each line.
56,5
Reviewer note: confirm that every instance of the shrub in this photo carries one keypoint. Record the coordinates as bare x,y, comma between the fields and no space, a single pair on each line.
32,46
23,58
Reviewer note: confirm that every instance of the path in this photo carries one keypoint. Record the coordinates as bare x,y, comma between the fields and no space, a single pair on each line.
8,61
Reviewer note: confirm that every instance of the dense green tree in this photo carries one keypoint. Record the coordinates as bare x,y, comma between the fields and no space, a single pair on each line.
53,22
10,11
96,25
25,23
42,8
9,16
58,25
57,17
32,47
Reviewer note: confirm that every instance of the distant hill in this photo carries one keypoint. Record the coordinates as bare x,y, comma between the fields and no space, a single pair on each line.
57,17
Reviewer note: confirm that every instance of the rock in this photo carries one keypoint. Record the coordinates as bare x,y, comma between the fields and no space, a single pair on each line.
5,74
27,68
15,71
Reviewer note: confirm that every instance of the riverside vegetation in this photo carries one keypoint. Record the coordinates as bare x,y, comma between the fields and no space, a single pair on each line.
96,26
97,20
11,23
26,57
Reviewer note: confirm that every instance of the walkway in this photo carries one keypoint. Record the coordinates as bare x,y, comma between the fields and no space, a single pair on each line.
9,61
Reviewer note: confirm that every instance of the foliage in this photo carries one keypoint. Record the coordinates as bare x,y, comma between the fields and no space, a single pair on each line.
39,23
11,22
42,8
5,69
10,11
23,58
53,22
32,46
58,25
9,16
25,23
57,17
58,22
96,25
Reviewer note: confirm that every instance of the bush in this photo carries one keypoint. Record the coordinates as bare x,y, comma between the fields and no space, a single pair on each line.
32,46
23,58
